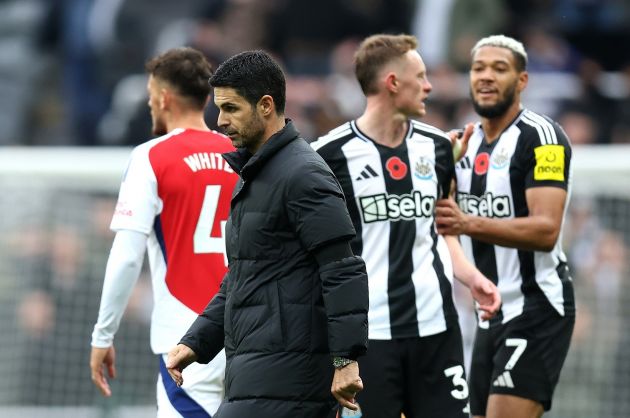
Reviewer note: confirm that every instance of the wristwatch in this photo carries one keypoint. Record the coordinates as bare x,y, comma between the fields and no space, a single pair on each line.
341,362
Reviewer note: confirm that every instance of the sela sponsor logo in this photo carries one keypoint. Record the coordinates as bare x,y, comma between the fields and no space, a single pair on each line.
383,207
488,205
549,162
424,169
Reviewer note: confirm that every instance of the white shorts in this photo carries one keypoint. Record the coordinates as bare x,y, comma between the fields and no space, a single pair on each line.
198,397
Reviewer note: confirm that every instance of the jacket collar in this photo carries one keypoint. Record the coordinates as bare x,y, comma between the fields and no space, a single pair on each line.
247,165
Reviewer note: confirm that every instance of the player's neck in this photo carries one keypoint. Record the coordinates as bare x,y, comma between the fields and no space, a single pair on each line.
188,121
383,125
494,127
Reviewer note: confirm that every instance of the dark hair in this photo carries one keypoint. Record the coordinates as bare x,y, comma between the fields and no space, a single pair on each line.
374,52
186,70
252,74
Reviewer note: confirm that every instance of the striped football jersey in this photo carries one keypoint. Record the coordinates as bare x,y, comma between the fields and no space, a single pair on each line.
491,181
391,195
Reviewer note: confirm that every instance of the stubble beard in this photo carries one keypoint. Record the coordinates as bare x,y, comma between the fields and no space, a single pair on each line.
498,109
251,134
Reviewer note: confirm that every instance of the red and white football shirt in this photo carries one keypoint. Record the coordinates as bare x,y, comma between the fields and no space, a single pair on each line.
177,189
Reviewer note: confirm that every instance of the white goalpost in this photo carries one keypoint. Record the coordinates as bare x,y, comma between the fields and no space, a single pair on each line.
55,209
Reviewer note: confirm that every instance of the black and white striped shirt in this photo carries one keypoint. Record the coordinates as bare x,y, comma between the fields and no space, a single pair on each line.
491,181
391,194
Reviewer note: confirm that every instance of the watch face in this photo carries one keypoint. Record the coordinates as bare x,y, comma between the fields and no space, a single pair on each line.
339,362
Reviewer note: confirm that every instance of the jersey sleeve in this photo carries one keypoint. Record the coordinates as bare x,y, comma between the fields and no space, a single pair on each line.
121,274
547,158
138,200
444,166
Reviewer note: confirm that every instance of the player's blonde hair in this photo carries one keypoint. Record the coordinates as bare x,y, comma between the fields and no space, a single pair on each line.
376,51
502,41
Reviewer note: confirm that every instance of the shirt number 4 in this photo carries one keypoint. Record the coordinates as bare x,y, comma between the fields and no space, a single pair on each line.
203,242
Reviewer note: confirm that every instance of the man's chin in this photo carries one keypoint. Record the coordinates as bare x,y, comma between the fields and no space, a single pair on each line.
237,143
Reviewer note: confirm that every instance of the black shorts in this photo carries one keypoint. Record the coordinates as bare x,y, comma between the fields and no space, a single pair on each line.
423,377
522,358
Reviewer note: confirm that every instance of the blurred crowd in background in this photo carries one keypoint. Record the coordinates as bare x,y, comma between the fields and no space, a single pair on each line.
72,70
72,73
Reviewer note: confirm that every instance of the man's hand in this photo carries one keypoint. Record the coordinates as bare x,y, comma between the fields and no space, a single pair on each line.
346,384
487,296
99,358
449,219
459,140
178,359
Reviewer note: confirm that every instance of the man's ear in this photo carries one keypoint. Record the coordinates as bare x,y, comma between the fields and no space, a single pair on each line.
165,98
391,82
523,79
266,105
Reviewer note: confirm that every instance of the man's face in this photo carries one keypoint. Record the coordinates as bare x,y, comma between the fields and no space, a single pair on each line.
156,90
238,119
414,85
495,84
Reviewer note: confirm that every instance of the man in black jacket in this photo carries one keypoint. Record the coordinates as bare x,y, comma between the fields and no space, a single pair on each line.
292,310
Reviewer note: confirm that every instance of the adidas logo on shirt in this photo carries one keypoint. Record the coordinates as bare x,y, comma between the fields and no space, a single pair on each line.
465,163
504,380
367,173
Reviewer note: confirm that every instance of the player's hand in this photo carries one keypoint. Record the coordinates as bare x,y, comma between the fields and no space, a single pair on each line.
449,219
459,140
100,358
346,384
178,359
487,296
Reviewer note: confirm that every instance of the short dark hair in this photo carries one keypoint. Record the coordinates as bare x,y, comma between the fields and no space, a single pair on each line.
252,74
375,52
186,70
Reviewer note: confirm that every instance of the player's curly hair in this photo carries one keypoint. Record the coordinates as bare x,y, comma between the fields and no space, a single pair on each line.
502,41
186,70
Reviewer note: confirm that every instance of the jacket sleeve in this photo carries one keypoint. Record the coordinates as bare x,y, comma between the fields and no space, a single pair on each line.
206,336
317,208
345,293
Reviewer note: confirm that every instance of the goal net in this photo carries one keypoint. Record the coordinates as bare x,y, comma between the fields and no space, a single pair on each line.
55,209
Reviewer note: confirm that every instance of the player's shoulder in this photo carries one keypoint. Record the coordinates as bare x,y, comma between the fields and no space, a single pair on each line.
539,129
219,137
145,147
335,138
430,131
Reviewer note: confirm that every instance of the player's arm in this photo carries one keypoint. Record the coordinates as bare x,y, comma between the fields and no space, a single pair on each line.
121,273
483,291
538,231
546,179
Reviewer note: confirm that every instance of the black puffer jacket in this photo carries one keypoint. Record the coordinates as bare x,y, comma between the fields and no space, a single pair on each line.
283,316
